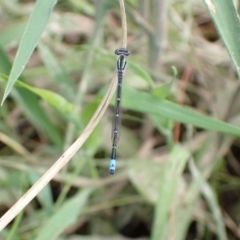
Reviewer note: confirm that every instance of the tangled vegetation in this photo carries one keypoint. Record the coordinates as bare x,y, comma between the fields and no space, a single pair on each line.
178,169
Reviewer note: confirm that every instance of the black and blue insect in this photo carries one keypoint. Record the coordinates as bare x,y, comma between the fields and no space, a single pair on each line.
121,67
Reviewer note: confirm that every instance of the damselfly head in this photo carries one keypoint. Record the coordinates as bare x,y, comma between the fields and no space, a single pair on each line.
122,51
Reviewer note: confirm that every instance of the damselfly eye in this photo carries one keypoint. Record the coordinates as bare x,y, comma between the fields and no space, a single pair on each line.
122,51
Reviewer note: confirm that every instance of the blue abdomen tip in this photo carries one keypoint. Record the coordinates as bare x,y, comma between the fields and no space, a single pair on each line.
112,166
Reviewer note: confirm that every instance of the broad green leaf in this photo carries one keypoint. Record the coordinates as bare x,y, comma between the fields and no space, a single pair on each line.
146,103
227,21
36,25
169,184
65,216
29,103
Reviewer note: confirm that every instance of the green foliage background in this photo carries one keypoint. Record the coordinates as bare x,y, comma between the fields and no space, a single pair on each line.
56,61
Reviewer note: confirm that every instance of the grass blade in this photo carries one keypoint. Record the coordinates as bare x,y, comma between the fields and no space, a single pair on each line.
211,199
170,179
142,102
53,99
227,22
36,25
28,101
66,216
146,103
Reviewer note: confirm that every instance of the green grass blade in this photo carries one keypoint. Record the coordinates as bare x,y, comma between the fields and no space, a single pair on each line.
211,199
65,216
146,103
53,99
143,102
170,180
184,217
14,228
36,25
29,103
227,22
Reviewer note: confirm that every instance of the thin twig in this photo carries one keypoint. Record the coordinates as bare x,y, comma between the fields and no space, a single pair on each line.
124,24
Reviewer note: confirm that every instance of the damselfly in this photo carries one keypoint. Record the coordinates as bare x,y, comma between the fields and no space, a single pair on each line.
121,67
